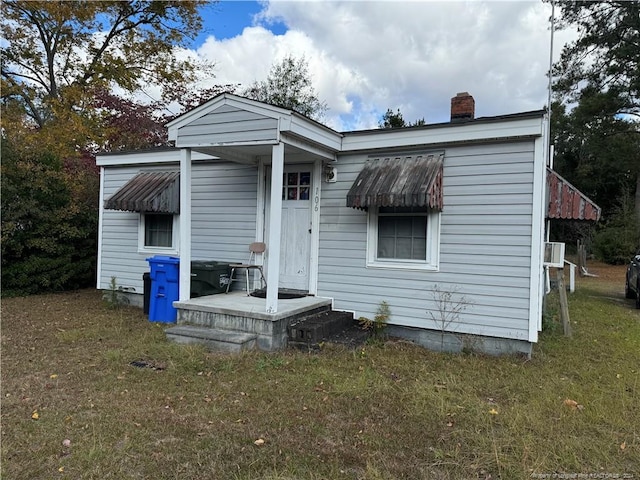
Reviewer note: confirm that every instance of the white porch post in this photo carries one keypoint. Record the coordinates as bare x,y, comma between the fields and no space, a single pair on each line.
275,226
185,225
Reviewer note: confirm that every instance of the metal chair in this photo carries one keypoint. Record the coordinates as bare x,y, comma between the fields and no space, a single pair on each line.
254,249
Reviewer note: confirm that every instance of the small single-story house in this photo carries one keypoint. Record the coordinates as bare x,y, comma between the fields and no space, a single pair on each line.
443,222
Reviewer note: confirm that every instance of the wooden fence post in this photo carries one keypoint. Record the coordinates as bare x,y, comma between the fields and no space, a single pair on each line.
564,304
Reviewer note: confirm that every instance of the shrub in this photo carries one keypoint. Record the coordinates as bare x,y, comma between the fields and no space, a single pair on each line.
49,223
617,240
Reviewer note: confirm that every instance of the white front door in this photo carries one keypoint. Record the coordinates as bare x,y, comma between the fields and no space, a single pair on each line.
295,248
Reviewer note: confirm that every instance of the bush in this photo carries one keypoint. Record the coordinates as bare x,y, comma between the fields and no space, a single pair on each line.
614,245
49,223
617,240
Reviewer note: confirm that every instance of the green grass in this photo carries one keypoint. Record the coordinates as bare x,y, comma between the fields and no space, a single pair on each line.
384,411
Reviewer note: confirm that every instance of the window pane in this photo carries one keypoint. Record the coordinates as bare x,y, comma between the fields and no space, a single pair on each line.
304,193
292,178
305,178
386,226
419,249
404,227
158,230
292,193
386,247
419,226
402,234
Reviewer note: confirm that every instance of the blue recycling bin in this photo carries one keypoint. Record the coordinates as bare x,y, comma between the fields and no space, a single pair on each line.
165,280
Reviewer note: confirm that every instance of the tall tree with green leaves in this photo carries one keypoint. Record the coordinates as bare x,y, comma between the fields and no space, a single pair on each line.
289,85
606,55
396,120
596,116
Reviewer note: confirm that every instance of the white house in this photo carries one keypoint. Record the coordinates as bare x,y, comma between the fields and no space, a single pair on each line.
444,222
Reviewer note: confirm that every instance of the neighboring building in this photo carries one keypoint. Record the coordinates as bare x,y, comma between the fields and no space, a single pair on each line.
444,222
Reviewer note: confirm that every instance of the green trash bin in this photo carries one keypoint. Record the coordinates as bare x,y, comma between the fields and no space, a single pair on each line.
208,277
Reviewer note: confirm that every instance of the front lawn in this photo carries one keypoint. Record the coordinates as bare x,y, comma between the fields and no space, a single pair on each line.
73,406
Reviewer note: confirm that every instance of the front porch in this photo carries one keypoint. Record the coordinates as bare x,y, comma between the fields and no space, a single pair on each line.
273,140
235,322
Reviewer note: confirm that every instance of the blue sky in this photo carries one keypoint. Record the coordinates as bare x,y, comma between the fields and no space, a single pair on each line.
366,57
228,19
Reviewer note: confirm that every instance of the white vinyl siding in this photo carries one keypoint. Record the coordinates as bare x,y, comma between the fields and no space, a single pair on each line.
223,221
226,125
485,246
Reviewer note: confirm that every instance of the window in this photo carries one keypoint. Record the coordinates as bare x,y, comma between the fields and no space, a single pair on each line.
405,237
296,185
158,232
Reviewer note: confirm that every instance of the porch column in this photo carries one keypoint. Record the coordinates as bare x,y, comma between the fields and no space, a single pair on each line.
275,226
185,225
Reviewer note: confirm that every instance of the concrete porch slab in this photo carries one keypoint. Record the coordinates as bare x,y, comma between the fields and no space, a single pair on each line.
241,304
239,313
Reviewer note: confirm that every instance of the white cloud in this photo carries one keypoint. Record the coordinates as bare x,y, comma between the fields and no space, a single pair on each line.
366,57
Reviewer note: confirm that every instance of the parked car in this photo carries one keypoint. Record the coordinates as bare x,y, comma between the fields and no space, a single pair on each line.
632,283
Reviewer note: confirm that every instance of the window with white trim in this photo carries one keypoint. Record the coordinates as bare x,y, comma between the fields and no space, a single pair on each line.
158,233
403,237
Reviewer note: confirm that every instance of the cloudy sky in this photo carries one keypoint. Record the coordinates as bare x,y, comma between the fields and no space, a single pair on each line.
365,57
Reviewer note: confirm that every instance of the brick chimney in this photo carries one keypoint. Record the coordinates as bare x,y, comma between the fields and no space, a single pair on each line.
463,107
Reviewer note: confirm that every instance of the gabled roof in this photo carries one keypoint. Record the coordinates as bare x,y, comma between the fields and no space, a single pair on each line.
250,128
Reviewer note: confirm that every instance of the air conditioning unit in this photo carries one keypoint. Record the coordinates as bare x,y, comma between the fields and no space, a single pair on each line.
554,254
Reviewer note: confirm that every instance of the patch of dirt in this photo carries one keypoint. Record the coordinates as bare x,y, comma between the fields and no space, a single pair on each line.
607,272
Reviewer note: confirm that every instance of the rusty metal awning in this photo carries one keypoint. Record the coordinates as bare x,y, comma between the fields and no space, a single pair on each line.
399,181
153,192
566,202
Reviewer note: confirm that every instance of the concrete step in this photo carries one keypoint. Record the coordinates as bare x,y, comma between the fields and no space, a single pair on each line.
314,328
215,340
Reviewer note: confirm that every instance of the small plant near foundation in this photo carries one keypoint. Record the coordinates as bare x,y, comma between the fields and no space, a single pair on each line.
379,322
449,305
114,296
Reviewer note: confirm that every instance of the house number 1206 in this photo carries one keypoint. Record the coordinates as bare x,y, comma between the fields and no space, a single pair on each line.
316,200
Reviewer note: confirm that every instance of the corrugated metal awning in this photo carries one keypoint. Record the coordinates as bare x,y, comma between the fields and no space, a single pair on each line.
566,202
154,192
399,181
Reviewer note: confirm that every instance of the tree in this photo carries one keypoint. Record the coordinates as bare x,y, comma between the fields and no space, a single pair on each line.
395,120
289,86
598,152
62,62
392,120
594,150
606,55
59,55
595,125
